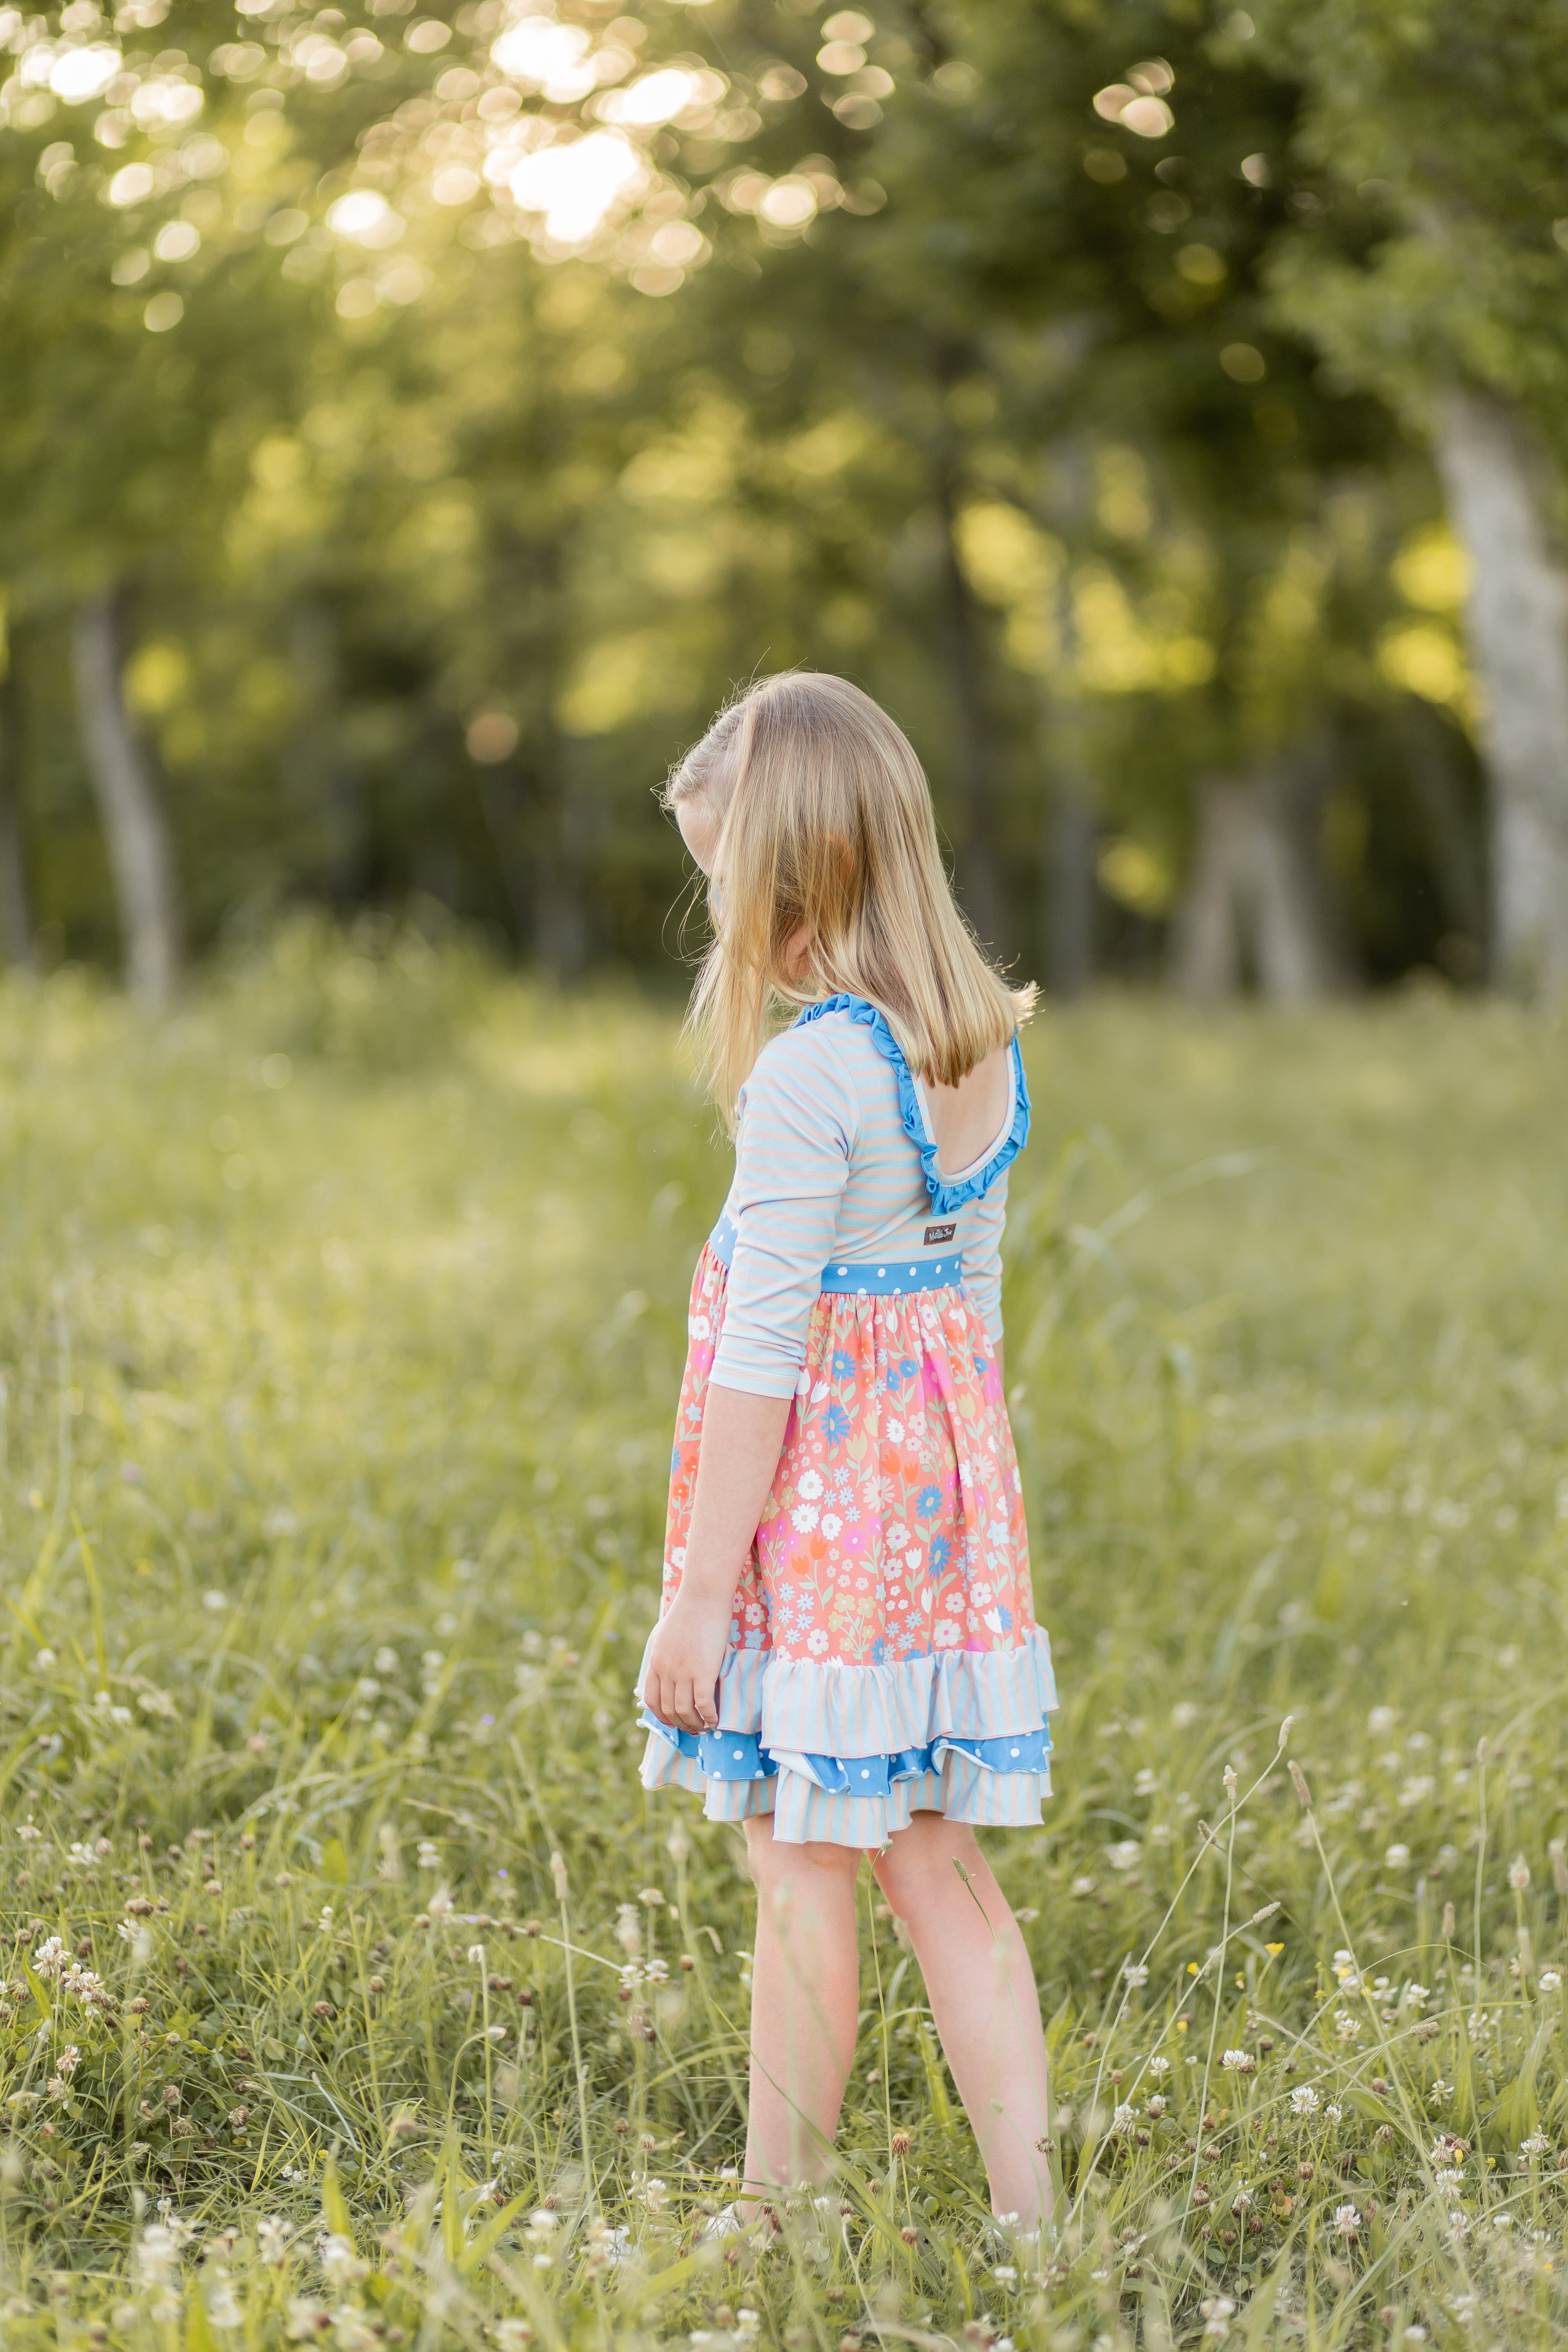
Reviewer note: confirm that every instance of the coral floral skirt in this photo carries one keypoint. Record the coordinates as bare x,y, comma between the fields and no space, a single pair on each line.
883,1655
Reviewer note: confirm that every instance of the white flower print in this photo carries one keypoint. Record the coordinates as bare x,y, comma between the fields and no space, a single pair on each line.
832,1525
809,1488
982,1595
946,1636
954,1602
805,1516
895,1430
816,1641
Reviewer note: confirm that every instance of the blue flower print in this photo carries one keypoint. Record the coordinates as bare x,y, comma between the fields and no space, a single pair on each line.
1006,1617
843,1364
979,1367
837,1425
941,1553
928,1502
878,1652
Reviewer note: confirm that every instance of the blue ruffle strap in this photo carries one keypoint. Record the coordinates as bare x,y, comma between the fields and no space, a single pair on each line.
947,1195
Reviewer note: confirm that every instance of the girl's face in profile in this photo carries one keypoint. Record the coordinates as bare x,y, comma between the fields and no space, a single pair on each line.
700,833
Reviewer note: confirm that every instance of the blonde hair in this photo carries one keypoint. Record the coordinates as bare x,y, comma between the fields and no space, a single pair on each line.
825,826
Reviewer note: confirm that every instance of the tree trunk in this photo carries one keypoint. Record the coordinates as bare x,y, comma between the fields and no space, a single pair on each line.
1256,904
332,785
140,852
974,767
1518,623
15,918
1072,890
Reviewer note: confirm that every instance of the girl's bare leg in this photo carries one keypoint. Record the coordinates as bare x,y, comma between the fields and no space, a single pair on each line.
805,2004
983,1996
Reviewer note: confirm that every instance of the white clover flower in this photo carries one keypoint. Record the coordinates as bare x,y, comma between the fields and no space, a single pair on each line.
1159,2065
1347,2026
1449,2179
1334,2113
1135,1973
1157,2106
272,2239
222,2303
339,2260
1239,2062
1304,2100
1218,2310
1550,1981
70,2059
429,1854
1124,2118
1440,2094
1519,1873
51,1960
1347,2221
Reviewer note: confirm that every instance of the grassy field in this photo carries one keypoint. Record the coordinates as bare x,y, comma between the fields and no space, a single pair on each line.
353,1987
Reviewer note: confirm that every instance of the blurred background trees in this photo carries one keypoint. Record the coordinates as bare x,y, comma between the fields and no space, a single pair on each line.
413,425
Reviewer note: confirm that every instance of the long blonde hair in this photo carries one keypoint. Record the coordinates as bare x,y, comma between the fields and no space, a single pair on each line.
825,826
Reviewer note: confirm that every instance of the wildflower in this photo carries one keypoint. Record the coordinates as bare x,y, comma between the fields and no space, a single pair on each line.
1418,1995
306,2318
1126,1854
1397,1856
476,1955
1218,2310
51,1960
1519,1873
1159,2065
157,2255
1334,2114
1304,2100
1550,1981
1440,2094
1157,2106
1004,2273
222,2303
69,2060
1123,2119
1239,2061
656,2195
1347,2221
272,2239
339,2260
429,1854
1347,2026
512,2335
1135,1973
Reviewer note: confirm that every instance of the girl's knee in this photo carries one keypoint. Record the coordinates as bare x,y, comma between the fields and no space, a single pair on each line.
921,1862
773,1864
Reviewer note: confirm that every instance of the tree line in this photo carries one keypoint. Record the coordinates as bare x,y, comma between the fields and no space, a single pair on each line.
413,423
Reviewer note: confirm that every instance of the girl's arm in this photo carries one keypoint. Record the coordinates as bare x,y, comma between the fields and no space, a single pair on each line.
743,1437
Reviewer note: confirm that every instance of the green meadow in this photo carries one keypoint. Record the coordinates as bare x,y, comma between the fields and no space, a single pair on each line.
353,1989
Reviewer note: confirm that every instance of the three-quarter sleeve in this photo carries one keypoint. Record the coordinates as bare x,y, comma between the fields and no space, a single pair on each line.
799,1123
983,1255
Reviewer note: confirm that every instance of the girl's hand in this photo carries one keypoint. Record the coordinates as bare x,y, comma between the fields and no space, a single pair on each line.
681,1683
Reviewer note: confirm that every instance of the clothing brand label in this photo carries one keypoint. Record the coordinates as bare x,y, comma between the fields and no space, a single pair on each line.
935,1234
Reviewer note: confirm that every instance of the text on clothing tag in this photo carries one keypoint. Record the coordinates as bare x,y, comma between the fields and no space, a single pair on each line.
934,1234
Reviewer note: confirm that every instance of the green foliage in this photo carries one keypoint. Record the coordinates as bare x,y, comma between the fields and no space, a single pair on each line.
451,517
340,1325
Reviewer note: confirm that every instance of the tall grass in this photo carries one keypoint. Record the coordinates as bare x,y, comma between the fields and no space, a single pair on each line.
341,1323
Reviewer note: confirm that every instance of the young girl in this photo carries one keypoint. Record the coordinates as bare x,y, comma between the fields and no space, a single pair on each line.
847,1660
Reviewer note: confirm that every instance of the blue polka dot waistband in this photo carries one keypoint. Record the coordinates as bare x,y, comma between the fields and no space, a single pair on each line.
889,1278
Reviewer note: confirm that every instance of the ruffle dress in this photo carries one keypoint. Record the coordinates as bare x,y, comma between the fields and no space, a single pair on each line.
883,1655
